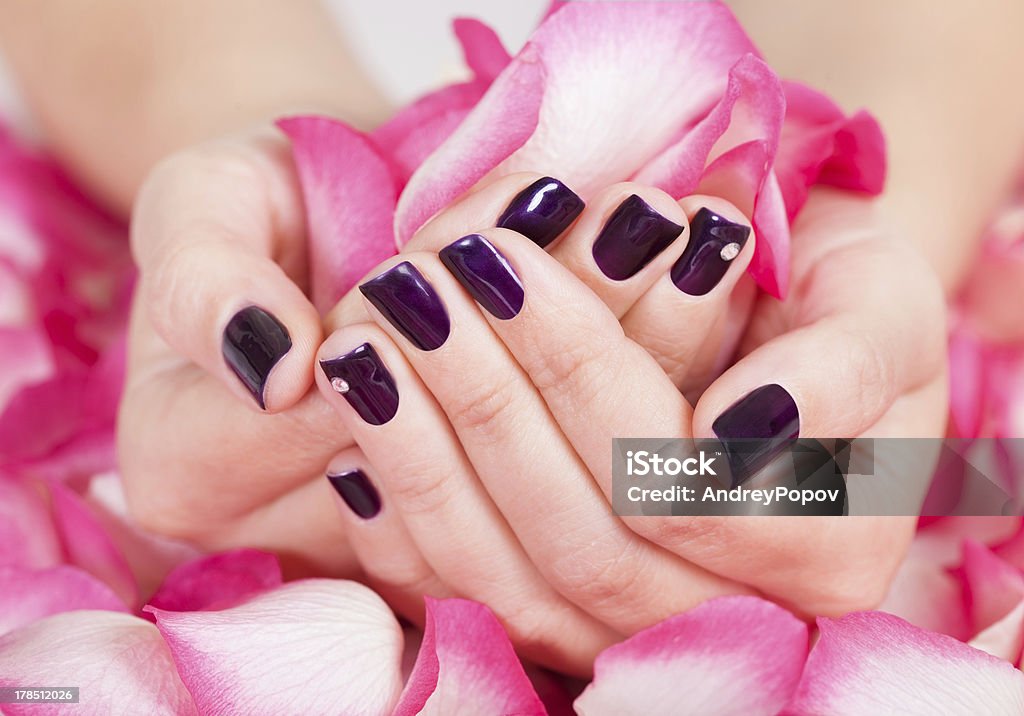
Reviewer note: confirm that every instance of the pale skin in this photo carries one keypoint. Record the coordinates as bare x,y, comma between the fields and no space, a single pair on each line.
219,225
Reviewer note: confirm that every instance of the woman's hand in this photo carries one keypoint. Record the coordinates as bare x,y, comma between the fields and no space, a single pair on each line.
221,442
488,427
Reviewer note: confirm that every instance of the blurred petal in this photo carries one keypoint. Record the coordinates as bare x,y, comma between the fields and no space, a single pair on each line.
311,647
218,581
936,551
874,663
573,98
732,655
150,556
24,359
87,544
466,665
995,601
821,145
119,662
350,194
416,131
27,535
482,48
27,595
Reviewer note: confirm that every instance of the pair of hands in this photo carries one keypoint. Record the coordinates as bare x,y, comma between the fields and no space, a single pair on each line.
472,443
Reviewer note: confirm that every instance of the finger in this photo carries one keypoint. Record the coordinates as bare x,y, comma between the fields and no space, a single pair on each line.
376,533
684,318
863,343
627,238
218,236
596,382
538,207
424,473
506,429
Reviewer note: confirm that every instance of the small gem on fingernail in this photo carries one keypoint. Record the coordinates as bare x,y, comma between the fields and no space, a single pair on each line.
339,385
730,251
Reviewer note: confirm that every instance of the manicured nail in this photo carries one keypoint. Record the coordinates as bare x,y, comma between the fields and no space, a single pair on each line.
756,429
410,304
714,243
633,235
254,341
361,378
486,274
542,211
357,491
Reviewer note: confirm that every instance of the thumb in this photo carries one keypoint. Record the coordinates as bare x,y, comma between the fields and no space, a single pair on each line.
219,237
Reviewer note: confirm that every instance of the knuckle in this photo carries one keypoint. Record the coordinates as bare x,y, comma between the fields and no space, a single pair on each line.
579,368
481,410
424,488
408,578
533,626
605,573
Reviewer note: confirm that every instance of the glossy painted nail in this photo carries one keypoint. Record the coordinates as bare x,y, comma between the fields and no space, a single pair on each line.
253,342
542,211
362,379
633,235
756,429
486,274
357,491
410,304
714,243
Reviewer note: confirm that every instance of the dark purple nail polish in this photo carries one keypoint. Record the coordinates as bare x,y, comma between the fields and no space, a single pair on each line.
486,274
542,211
714,243
756,429
254,341
360,376
357,491
633,235
410,304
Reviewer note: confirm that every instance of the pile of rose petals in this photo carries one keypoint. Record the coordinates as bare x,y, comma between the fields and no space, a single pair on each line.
147,625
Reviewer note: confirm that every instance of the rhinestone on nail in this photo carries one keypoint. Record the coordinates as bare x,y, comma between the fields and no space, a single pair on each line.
730,251
339,385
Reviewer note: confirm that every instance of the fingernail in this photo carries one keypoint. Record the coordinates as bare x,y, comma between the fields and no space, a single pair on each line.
361,378
756,429
542,211
357,491
254,341
714,243
486,274
410,304
633,235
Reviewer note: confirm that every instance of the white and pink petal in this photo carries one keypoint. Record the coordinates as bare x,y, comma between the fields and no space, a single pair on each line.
315,647
731,655
877,663
466,665
120,664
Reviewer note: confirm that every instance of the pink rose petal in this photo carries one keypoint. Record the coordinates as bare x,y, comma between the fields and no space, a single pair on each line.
119,662
876,663
482,48
567,104
150,556
217,581
350,195
27,535
466,665
27,595
994,592
732,655
87,545
311,647
936,551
